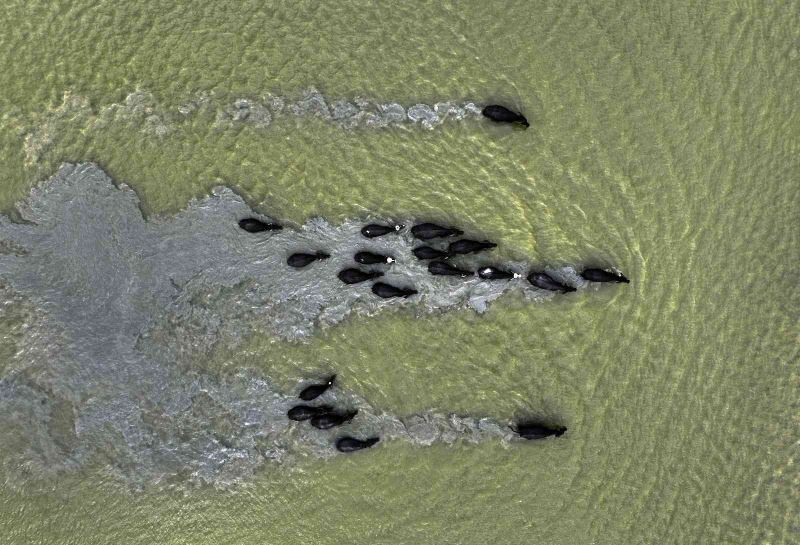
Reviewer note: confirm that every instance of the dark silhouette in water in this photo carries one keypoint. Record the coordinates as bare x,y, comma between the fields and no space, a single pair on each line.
501,114
252,225
304,412
351,444
469,246
329,420
316,390
492,273
387,291
426,252
368,258
355,276
298,261
440,268
546,282
427,231
374,230
537,430
599,275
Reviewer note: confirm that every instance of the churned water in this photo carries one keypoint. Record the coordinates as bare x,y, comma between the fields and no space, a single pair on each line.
123,306
150,347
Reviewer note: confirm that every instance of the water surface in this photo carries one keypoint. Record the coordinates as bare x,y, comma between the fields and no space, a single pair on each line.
663,141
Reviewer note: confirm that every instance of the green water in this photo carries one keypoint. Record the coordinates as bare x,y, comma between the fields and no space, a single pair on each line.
663,140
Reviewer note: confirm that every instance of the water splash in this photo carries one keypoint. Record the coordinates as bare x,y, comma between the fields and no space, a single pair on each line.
119,306
141,111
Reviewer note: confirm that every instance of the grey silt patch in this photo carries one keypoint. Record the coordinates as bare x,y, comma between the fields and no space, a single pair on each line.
122,306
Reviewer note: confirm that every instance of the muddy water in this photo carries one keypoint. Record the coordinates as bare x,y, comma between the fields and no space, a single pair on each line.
663,141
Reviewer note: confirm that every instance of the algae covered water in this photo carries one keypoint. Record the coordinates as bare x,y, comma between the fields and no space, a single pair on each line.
143,376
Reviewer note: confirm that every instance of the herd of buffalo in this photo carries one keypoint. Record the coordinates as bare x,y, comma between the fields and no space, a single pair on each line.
438,264
325,416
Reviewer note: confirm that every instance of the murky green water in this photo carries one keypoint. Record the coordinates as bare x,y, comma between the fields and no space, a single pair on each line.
664,140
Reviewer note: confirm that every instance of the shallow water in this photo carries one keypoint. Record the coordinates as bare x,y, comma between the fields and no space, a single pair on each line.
663,141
